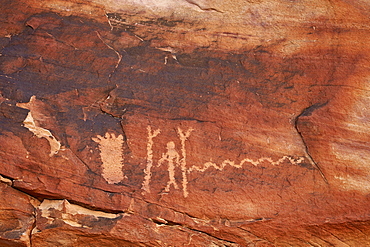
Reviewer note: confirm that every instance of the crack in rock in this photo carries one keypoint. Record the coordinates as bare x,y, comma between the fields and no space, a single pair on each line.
307,112
119,55
203,8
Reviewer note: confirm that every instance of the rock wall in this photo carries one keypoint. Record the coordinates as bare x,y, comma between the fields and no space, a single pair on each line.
184,123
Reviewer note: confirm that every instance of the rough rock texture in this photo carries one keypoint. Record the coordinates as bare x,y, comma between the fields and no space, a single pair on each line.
184,123
17,215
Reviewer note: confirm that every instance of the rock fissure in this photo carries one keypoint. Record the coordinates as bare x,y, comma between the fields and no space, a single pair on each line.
192,119
119,55
192,2
113,115
7,180
254,235
230,243
83,162
336,237
33,228
233,80
41,196
306,112
175,224
45,196
54,204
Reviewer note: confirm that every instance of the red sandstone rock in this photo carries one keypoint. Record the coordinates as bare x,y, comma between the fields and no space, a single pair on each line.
204,123
17,215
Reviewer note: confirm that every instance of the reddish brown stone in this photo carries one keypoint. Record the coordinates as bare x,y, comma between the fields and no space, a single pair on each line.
237,123
17,215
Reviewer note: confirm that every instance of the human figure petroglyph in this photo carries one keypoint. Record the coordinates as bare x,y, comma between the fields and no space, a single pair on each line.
110,147
111,155
149,158
172,158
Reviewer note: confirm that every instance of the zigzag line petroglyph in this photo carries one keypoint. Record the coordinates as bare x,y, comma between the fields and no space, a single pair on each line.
110,147
244,161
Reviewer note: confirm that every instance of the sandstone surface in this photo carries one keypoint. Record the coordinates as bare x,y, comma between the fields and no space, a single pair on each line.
184,123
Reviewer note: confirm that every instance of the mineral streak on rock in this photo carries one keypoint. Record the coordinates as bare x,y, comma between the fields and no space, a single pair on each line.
40,132
68,212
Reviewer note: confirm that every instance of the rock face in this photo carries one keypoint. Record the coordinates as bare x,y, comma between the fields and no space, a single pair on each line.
187,123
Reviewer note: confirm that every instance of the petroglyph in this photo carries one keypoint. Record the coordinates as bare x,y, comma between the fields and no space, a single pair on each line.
110,147
111,155
183,137
245,161
172,157
149,158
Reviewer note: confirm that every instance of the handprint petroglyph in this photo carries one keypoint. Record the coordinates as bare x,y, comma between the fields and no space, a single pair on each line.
175,157
111,155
